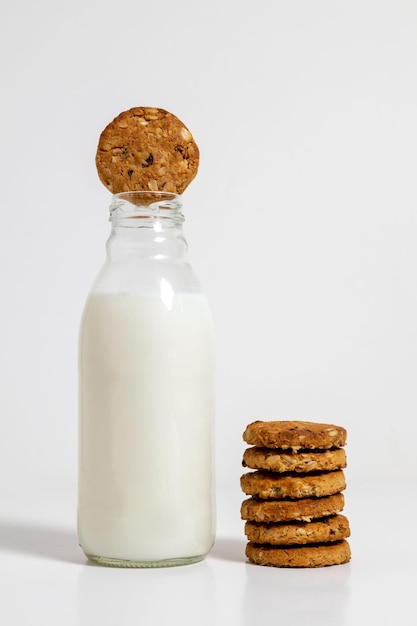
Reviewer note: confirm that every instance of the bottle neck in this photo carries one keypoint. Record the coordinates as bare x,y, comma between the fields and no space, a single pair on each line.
146,225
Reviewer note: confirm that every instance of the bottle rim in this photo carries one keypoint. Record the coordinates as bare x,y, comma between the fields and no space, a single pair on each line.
150,204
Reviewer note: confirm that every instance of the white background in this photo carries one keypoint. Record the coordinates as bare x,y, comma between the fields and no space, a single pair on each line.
301,226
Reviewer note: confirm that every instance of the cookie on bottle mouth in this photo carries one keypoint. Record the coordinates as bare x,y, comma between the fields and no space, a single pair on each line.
147,149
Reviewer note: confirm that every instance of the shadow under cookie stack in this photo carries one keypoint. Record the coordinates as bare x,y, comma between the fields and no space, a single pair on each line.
293,516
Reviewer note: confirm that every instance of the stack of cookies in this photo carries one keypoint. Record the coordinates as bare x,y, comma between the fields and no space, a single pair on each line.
293,517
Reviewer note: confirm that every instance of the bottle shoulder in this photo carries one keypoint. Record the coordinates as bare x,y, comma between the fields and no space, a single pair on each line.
128,276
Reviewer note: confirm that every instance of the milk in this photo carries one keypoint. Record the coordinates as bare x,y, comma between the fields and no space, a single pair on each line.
146,414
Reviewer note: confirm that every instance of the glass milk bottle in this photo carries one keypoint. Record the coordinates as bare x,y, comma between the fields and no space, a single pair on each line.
146,395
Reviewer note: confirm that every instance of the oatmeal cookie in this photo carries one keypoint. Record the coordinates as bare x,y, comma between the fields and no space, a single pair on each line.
295,435
331,528
318,555
304,509
292,461
147,149
273,485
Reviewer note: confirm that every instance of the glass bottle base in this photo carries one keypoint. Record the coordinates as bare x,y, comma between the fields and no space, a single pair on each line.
102,560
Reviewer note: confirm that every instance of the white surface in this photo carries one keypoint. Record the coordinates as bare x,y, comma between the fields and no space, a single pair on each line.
302,227
45,579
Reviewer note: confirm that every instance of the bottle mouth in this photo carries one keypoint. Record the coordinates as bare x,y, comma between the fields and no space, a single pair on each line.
146,204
